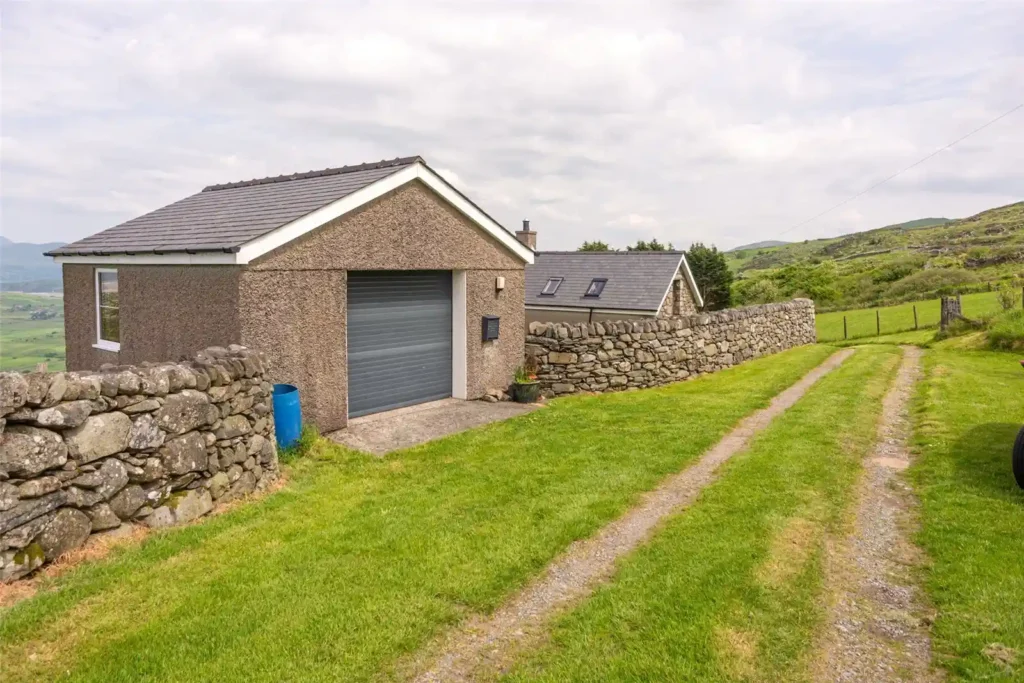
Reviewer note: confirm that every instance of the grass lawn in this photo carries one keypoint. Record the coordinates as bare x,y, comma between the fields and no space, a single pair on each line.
861,322
729,589
362,560
968,412
913,338
24,342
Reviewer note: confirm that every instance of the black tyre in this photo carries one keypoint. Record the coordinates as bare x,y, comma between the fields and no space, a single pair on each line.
1018,458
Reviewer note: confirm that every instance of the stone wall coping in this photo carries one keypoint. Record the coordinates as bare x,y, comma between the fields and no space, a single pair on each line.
215,366
559,330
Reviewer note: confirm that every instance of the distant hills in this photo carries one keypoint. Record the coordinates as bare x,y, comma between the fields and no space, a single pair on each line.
908,261
920,223
24,268
909,225
898,237
760,245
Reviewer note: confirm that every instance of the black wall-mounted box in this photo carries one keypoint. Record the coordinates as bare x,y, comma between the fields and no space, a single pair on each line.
491,327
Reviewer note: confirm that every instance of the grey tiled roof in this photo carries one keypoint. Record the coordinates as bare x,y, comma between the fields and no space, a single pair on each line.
224,217
637,280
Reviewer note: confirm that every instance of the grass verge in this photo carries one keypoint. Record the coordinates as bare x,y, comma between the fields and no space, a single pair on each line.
968,411
359,560
1006,332
304,446
861,322
729,589
922,338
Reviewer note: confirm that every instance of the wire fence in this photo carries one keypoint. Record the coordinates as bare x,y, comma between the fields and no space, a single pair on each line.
872,322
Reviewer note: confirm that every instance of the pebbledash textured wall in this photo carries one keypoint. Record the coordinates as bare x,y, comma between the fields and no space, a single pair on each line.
162,444
301,287
614,356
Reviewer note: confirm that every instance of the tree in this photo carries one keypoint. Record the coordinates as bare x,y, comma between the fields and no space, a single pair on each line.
760,290
712,274
653,245
820,282
596,245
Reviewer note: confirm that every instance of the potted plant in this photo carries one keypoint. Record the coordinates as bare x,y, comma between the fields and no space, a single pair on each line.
525,387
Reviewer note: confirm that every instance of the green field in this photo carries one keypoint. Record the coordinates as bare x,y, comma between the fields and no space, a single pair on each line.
725,591
967,414
360,561
359,566
861,322
24,342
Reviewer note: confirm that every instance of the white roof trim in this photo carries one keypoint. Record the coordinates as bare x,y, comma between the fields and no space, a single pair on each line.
472,211
682,257
176,259
629,311
693,285
288,232
685,266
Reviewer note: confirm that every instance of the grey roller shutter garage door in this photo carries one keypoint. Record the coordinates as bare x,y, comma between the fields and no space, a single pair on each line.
399,339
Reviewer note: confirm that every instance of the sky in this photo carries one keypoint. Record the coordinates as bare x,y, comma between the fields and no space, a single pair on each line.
722,122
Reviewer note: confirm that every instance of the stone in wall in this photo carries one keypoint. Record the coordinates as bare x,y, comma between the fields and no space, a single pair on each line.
621,355
678,302
158,444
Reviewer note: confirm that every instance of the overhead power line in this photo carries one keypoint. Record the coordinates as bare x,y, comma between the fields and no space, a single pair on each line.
900,172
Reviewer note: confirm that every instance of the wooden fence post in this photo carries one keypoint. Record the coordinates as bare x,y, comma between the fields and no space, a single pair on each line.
844,328
878,323
915,316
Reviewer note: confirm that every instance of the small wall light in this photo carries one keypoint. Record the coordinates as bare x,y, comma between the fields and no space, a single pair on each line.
499,283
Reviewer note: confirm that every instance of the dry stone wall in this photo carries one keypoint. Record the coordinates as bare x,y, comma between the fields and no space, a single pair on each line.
614,356
160,444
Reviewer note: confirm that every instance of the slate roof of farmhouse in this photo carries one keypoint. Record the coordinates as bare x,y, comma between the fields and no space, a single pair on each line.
637,280
223,217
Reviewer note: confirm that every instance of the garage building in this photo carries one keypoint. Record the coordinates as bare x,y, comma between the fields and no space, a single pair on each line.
370,287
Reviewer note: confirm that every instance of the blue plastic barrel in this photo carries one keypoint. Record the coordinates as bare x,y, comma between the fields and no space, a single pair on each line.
287,414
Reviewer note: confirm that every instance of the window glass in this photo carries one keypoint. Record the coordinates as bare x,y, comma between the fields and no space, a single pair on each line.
595,288
552,286
110,328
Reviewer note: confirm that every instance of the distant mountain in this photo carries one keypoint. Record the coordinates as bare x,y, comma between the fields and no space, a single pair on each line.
909,225
921,223
24,268
761,245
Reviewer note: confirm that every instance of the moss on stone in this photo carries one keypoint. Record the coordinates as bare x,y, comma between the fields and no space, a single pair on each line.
164,496
174,500
30,555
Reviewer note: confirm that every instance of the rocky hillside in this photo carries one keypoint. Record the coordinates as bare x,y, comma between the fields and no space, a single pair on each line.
902,262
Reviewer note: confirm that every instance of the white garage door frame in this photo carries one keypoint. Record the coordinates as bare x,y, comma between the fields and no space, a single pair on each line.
460,339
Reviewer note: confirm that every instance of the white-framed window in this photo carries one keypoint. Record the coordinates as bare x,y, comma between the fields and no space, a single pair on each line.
108,312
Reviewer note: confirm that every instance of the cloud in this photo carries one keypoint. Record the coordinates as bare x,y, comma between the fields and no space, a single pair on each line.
720,122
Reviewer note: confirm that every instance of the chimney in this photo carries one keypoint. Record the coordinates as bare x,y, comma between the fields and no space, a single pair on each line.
527,236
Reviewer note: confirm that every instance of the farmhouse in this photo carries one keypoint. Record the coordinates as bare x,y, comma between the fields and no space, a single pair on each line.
370,287
585,286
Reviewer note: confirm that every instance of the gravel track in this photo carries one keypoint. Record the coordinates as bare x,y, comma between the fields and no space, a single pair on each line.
486,645
877,628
